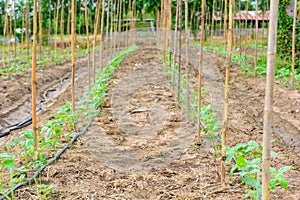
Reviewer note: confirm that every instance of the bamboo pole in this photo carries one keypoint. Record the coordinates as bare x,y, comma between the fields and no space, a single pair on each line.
187,58
87,40
73,29
179,49
10,33
101,32
115,25
22,33
246,33
200,68
107,25
111,27
170,26
68,22
225,19
256,37
15,25
175,45
95,38
40,29
212,21
293,44
33,75
49,27
62,25
27,27
165,34
268,109
157,26
4,32
56,26
227,77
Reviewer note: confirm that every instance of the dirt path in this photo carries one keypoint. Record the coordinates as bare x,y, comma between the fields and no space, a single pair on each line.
141,148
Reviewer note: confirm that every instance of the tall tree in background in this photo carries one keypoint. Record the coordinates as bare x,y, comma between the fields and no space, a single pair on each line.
227,76
267,130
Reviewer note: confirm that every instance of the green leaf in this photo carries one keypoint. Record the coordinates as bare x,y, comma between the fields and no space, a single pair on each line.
8,163
241,161
273,183
284,183
284,169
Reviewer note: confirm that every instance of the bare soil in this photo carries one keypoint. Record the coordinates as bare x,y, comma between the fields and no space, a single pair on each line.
141,146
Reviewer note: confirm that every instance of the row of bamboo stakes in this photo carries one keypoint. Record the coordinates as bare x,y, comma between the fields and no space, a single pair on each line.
164,21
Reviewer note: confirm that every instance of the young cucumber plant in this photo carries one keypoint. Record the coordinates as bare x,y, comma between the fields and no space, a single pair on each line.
247,157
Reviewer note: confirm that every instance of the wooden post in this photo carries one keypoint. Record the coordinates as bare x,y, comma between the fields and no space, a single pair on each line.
33,75
68,22
4,32
227,77
268,109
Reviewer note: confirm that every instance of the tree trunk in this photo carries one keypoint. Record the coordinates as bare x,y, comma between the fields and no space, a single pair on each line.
227,77
267,130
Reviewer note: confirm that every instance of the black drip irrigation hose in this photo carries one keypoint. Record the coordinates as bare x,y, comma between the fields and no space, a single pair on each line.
21,124
36,174
28,120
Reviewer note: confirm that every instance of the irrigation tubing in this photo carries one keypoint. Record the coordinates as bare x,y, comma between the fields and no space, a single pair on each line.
58,154
28,119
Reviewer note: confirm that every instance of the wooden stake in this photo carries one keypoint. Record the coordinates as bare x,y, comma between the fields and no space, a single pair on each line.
165,34
33,76
268,109
68,22
95,38
73,29
227,77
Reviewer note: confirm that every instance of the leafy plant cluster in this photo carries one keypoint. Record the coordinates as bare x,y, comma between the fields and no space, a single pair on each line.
19,67
19,160
246,63
247,159
208,116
